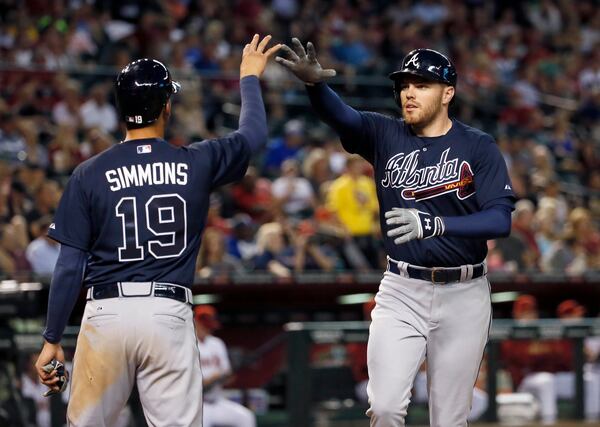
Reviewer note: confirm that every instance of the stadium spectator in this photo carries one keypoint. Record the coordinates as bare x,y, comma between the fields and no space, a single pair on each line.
64,150
98,112
42,252
252,195
274,256
13,242
316,168
66,111
47,197
283,250
292,194
213,260
352,198
283,148
530,78
520,248
214,218
216,372
12,141
242,244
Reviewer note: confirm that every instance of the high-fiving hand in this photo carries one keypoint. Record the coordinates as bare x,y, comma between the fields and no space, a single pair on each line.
303,63
254,57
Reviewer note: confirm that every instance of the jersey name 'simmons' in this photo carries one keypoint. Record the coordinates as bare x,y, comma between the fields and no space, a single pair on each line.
138,175
402,171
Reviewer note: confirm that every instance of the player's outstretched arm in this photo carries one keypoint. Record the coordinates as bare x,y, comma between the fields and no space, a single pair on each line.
326,103
253,118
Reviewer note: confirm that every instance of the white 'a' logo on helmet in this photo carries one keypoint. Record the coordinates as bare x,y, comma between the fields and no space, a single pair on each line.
413,60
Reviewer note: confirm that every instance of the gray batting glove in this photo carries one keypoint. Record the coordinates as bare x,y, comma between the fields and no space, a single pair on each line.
413,224
304,65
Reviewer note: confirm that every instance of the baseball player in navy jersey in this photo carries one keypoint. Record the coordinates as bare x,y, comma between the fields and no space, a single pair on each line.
443,190
129,223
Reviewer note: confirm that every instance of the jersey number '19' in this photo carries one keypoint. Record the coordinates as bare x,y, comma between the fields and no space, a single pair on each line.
166,219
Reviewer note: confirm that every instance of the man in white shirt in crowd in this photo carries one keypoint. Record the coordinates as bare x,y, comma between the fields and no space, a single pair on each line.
42,252
216,370
293,193
97,112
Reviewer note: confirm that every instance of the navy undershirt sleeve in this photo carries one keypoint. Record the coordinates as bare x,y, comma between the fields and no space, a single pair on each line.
64,290
253,119
344,119
488,224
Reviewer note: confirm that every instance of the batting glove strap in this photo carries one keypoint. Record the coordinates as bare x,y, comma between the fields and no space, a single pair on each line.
429,225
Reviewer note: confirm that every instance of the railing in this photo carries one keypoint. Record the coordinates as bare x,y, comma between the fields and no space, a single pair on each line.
301,335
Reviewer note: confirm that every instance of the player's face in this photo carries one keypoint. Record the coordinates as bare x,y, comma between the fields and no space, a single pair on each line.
422,100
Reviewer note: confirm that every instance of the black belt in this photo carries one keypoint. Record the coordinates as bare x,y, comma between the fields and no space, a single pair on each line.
437,275
162,290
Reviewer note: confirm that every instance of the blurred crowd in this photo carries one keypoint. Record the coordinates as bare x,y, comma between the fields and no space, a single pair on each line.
529,74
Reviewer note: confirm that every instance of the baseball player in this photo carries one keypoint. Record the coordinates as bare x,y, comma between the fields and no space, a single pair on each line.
216,370
443,190
130,223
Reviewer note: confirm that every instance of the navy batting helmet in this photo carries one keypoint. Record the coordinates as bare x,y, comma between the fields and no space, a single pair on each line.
426,63
142,90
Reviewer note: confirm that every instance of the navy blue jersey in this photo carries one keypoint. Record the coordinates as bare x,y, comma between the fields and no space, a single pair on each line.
457,174
139,208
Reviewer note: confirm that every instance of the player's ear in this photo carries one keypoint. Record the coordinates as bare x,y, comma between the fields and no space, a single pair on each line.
167,111
447,95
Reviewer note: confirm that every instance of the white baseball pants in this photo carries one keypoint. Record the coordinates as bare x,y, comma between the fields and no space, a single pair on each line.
413,320
145,340
224,412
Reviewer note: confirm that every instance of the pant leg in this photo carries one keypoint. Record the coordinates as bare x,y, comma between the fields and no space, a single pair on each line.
124,418
227,413
208,414
420,388
460,321
103,372
543,387
592,394
479,404
565,389
360,391
396,348
169,379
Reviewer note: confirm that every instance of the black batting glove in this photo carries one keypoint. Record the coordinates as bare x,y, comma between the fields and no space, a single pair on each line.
304,65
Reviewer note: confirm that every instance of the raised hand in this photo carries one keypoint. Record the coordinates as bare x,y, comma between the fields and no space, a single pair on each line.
303,63
254,57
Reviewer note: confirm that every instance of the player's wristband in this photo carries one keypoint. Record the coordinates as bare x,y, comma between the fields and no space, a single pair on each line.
430,226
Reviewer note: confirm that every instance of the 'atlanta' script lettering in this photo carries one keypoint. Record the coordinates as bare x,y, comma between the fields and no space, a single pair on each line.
401,171
447,175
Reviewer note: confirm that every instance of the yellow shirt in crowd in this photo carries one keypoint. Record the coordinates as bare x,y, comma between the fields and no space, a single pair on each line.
355,203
